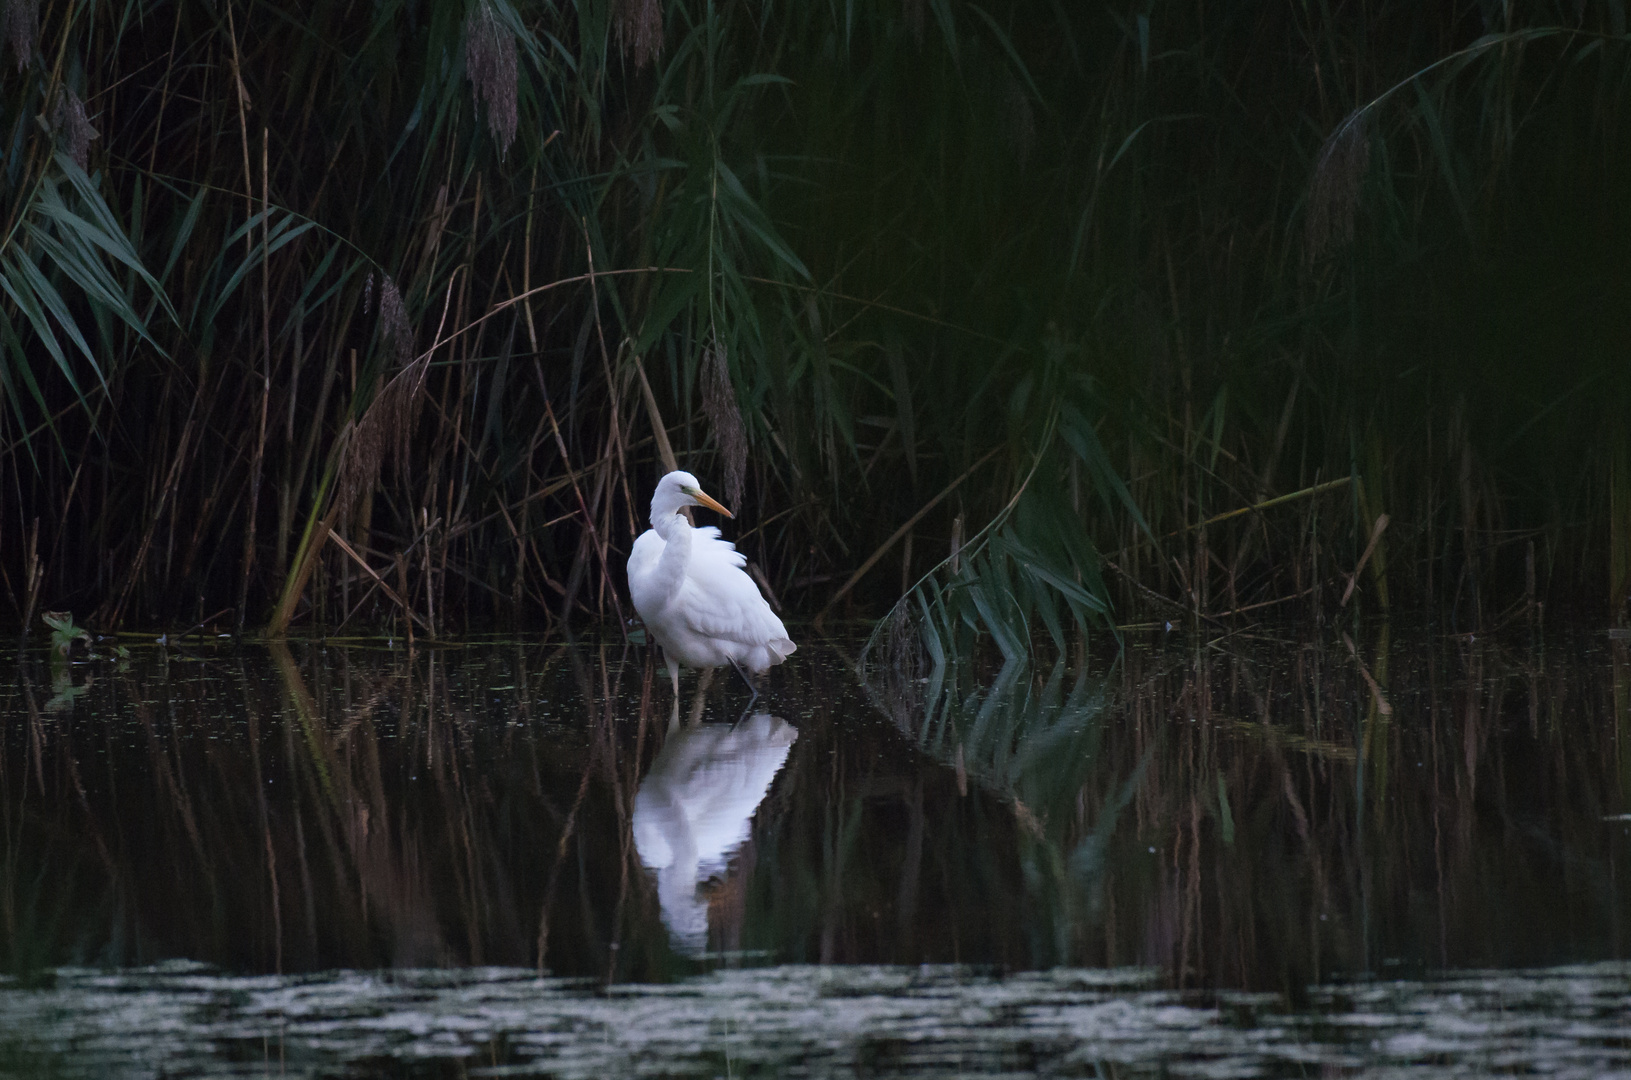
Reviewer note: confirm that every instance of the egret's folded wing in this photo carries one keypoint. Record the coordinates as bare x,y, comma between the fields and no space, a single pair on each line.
719,600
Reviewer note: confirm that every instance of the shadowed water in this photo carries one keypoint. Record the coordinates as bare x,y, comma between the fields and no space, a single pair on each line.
1229,856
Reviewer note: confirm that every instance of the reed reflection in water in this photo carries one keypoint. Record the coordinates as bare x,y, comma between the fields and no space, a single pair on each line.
1233,811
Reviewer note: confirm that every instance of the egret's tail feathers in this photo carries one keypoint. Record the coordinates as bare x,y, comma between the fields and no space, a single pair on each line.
767,655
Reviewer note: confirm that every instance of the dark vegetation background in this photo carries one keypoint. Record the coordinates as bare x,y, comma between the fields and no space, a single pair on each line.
315,314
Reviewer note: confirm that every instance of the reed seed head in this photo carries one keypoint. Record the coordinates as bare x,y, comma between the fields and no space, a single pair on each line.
639,29
393,321
490,60
72,127
391,414
719,402
388,420
1339,174
21,19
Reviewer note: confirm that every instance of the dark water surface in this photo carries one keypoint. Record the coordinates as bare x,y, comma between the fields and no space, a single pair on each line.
1236,855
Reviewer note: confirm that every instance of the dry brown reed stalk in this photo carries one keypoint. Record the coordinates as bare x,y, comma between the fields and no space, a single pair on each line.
275,888
591,536
490,61
725,417
567,831
899,533
172,481
1370,549
362,444
1619,536
390,593
256,472
1333,195
427,534
659,431
21,20
616,387
639,29
33,572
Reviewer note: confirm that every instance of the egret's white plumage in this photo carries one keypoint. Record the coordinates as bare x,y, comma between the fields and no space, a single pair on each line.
691,591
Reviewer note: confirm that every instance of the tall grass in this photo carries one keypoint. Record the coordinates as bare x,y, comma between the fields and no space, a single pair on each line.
389,315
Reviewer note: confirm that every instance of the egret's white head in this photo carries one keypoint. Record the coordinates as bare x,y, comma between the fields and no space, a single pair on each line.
679,489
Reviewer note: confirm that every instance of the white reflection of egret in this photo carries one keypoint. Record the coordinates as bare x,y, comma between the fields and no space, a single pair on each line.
695,808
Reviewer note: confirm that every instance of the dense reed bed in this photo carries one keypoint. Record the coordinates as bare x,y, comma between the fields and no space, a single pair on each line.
388,315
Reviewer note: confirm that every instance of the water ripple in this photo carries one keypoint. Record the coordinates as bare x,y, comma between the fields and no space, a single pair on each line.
184,1020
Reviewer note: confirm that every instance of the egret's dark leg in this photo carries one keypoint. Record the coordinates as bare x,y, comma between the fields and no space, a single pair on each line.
753,690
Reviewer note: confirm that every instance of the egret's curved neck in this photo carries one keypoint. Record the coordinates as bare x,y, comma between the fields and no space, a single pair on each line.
672,527
676,534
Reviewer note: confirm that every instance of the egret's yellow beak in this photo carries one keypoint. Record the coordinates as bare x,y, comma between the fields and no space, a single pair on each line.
708,500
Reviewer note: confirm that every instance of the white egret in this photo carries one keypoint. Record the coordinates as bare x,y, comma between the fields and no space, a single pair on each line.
690,589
